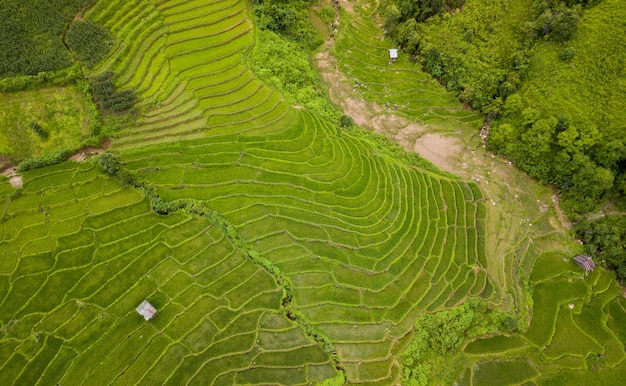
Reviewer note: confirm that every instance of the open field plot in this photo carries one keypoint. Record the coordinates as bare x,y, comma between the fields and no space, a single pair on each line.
78,253
63,115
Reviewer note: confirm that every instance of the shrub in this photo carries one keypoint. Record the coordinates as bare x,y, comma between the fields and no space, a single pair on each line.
109,164
37,129
566,54
346,121
47,160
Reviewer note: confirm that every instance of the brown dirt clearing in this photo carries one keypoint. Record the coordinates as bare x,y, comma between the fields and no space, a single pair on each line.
16,181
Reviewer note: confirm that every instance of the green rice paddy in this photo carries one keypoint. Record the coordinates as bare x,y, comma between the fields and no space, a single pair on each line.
365,241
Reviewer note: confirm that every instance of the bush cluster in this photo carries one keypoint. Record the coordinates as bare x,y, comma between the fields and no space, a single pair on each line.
47,160
107,97
63,77
441,333
37,129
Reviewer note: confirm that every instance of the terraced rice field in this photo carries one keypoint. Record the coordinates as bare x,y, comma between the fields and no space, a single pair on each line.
78,256
361,51
365,241
576,335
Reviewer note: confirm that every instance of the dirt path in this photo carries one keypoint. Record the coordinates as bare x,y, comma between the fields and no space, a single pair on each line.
443,151
84,153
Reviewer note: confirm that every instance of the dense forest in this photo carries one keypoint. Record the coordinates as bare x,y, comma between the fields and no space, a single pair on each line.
30,35
550,74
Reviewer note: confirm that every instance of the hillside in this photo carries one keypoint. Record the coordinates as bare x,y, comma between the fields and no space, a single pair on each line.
549,73
279,242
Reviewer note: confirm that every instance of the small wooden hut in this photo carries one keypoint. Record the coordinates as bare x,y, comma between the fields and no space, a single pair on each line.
585,262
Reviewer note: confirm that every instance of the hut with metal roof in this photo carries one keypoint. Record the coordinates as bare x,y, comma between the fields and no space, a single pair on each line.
146,310
585,262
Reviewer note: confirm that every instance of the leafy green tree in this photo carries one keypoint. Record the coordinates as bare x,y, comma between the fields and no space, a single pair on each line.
407,35
574,140
392,17
564,24
109,164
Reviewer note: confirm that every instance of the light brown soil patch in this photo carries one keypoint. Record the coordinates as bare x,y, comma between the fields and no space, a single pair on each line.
440,150
16,181
9,171
347,5
84,153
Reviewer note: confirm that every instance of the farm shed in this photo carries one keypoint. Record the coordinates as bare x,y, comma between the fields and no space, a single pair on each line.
146,310
585,262
393,53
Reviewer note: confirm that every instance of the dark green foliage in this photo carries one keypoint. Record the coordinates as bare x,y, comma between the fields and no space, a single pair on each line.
30,35
346,121
107,97
47,160
566,54
289,18
605,239
37,129
89,42
559,25
109,164
564,24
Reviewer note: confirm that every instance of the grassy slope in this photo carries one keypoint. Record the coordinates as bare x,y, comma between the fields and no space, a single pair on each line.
63,112
587,88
